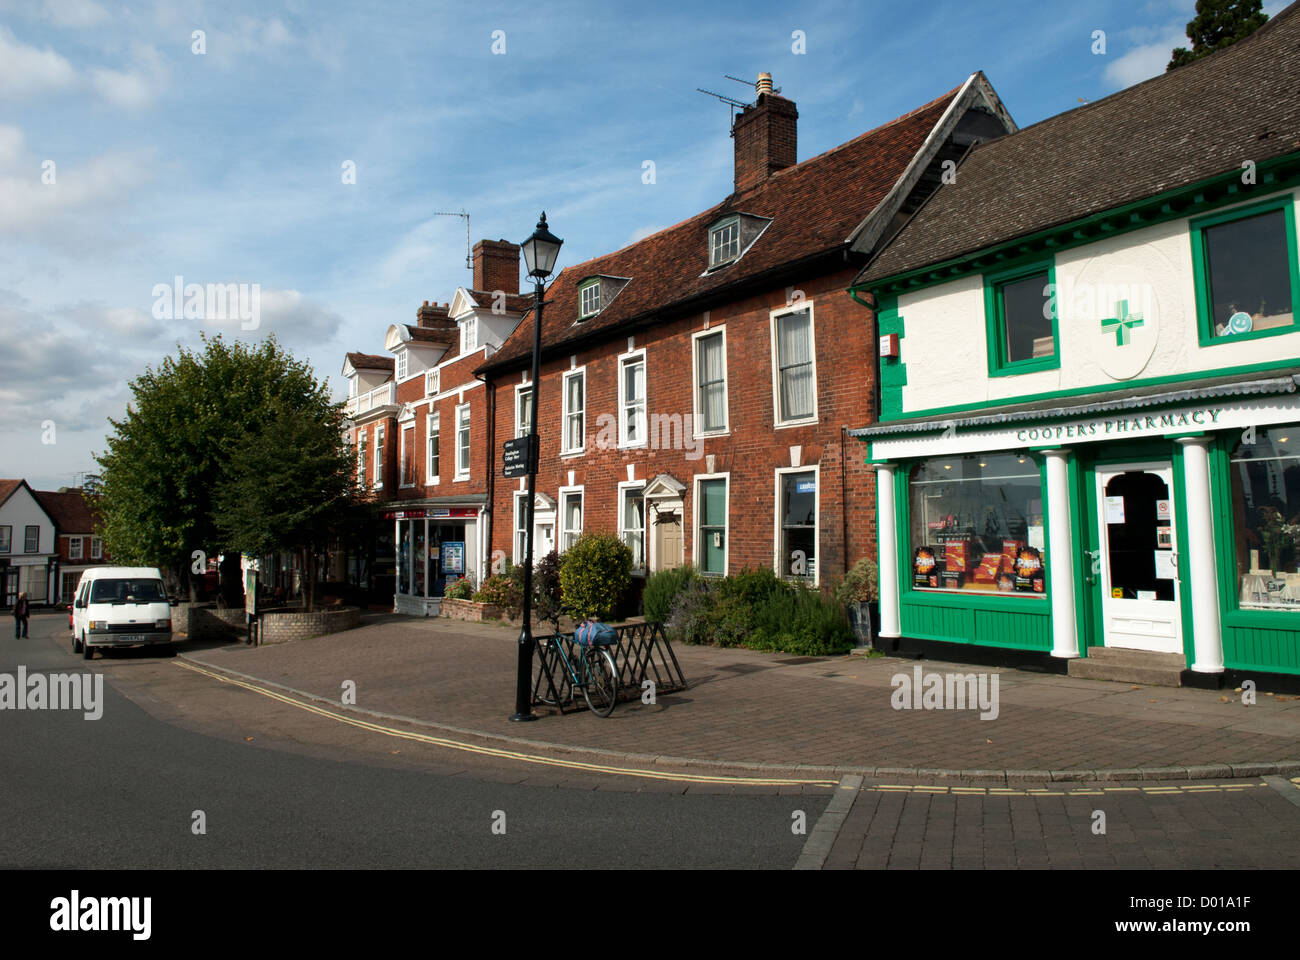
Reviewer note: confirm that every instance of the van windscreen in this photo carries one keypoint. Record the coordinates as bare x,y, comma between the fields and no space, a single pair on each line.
127,591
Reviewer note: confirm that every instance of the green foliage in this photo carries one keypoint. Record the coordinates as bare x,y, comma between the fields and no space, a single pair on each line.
757,610
1218,24
594,574
459,589
861,584
546,589
661,589
187,436
502,591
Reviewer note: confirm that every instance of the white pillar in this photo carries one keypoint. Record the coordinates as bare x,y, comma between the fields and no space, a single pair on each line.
1065,627
887,539
1201,564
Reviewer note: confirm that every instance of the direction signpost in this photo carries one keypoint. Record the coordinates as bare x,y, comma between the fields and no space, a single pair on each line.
514,457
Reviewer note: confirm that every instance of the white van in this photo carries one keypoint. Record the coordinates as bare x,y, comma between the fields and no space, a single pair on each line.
120,607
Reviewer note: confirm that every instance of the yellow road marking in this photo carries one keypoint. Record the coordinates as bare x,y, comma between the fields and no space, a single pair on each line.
502,753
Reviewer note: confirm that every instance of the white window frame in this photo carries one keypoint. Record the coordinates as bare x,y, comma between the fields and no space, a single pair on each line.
96,548
520,390
74,548
433,429
403,364
7,545
778,560
623,488
585,310
773,317
469,335
379,456
696,553
696,421
407,456
518,548
625,360
562,515
714,233
352,385
462,470
566,413
431,381
363,445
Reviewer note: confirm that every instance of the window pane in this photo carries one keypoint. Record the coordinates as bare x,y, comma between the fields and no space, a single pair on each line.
798,508
713,521
1027,318
977,525
1248,273
1266,518
711,377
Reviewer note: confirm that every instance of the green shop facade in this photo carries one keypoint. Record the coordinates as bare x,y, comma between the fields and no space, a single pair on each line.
1089,436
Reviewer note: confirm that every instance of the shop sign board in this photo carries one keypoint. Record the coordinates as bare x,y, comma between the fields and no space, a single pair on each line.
453,556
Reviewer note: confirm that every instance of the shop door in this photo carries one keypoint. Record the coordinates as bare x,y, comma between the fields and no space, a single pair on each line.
1138,562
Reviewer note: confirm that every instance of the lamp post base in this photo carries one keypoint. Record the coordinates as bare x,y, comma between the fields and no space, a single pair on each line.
522,717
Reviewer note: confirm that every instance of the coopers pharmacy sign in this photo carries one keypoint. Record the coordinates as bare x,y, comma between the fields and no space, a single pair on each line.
1123,426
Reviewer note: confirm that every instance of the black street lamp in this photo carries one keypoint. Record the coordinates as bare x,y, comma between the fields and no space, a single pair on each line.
540,253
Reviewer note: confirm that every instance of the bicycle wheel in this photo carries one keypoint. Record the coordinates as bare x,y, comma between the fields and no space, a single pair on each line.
601,687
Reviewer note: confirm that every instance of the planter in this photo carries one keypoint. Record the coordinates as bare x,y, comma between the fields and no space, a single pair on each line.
283,626
468,610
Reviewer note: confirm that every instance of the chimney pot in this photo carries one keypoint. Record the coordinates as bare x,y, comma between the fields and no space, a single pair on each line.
764,84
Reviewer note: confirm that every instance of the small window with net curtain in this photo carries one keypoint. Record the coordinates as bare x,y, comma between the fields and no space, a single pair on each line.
796,381
572,518
711,383
632,525
575,412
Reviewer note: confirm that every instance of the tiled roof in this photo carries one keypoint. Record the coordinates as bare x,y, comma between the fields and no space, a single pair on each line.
815,206
515,302
7,488
70,511
370,361
425,335
1203,119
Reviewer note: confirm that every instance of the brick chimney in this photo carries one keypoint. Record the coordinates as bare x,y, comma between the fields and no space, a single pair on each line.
766,136
496,266
435,316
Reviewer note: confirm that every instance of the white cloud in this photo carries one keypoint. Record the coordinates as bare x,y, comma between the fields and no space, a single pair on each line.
640,233
27,72
74,13
1145,61
135,87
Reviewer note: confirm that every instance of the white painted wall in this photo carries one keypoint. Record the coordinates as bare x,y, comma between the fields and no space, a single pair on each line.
946,354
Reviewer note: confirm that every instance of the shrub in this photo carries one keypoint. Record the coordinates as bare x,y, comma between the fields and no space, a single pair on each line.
661,589
502,591
690,619
861,584
460,589
546,588
803,623
594,574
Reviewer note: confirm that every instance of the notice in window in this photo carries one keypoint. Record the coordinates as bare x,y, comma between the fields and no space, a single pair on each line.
1114,509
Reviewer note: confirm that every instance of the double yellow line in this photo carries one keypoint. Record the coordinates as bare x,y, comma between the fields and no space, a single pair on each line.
499,753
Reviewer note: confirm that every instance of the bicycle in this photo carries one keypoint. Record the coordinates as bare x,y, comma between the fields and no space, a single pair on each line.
599,681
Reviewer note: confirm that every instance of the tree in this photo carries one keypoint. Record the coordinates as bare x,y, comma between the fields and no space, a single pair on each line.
1218,24
288,483
171,453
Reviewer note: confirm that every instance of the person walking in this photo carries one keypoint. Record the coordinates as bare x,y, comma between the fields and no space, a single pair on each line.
22,611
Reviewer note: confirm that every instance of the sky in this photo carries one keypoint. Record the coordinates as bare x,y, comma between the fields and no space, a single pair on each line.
306,148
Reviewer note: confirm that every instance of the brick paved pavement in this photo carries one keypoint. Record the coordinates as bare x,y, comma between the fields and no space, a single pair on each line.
1244,825
744,707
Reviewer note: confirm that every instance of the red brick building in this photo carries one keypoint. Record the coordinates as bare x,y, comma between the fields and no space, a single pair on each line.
421,429
697,385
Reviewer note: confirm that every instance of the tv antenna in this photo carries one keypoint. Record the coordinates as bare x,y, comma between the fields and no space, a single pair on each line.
749,83
730,101
469,250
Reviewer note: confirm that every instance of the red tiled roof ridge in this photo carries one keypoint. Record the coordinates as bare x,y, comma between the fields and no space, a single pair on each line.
786,171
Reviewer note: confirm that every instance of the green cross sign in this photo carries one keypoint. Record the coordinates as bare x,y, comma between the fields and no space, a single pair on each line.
1123,323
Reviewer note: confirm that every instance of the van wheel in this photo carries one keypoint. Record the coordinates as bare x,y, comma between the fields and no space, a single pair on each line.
87,651
76,644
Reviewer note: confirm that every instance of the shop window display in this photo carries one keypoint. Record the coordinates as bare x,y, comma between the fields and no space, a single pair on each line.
1266,517
977,525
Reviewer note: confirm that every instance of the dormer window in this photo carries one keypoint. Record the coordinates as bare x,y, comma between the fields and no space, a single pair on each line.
724,242
468,334
401,365
589,299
